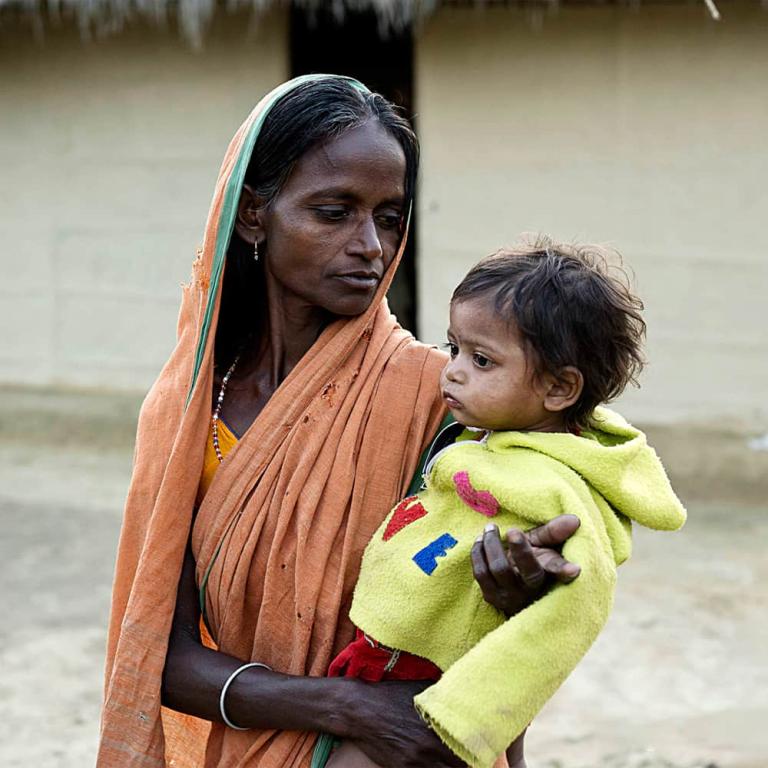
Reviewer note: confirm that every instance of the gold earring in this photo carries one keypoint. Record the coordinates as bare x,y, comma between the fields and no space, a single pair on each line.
255,250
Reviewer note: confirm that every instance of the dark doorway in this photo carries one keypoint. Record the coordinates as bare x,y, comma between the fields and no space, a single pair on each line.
355,45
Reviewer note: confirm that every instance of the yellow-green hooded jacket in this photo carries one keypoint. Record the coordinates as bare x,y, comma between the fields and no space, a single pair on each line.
416,591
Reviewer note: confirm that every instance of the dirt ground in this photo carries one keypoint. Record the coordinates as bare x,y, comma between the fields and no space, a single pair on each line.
678,680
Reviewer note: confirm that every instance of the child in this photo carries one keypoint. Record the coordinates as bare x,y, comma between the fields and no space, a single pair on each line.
539,337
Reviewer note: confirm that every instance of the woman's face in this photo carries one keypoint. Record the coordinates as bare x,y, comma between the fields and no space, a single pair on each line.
335,226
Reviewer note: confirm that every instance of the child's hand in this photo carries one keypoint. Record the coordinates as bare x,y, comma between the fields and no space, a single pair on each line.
511,577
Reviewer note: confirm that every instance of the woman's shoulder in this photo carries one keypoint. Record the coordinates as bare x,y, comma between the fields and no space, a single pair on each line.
431,356
410,362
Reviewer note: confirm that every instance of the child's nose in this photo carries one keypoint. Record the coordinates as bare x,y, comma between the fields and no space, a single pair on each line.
453,372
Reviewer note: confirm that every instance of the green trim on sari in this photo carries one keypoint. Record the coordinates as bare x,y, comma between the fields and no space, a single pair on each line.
418,476
325,744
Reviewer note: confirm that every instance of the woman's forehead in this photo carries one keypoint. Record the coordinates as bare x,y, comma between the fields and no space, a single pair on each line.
364,157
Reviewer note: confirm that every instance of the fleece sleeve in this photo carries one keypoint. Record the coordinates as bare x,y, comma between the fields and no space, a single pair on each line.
486,699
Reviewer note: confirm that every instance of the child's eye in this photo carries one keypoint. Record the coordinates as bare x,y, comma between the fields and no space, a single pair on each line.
452,349
481,361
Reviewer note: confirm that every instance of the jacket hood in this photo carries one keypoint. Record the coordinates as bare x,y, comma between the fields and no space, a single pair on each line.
615,459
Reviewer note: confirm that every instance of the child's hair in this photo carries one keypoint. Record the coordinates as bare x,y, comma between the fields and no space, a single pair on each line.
571,308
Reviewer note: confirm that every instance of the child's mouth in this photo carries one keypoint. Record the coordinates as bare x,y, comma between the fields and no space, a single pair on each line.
450,400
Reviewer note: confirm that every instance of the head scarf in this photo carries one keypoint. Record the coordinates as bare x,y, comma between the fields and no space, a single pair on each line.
279,536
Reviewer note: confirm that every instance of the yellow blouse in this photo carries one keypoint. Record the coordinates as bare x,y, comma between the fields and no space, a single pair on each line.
227,441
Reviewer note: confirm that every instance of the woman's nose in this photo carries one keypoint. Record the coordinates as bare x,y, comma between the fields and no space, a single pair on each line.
366,242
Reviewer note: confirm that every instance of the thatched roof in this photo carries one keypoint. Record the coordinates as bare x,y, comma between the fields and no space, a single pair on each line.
104,17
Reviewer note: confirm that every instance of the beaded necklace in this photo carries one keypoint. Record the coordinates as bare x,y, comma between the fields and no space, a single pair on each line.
217,409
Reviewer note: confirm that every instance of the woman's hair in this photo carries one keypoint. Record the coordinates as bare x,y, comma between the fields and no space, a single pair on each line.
311,113
571,307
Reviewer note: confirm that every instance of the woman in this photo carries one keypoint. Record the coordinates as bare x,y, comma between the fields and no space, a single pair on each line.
333,404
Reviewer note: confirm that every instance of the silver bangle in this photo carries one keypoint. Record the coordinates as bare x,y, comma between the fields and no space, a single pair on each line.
225,688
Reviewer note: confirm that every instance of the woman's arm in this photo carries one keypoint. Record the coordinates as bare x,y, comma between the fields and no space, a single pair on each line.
516,752
380,718
194,676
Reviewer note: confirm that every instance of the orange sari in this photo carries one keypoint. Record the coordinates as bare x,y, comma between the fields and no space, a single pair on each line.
284,523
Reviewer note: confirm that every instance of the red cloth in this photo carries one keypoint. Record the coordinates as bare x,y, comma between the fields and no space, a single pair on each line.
366,660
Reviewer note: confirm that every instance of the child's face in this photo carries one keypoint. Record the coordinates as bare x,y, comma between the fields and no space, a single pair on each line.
489,381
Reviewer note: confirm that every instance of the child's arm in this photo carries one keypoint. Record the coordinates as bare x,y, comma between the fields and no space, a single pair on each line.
488,697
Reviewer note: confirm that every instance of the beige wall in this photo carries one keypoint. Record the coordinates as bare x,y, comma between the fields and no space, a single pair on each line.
108,156
646,128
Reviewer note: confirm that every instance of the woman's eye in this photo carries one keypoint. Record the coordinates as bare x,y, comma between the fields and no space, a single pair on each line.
389,220
332,213
481,361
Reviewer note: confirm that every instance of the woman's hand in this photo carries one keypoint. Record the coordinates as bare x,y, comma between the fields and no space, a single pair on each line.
388,729
511,577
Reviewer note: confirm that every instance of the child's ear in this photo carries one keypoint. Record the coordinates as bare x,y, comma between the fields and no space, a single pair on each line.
564,389
249,223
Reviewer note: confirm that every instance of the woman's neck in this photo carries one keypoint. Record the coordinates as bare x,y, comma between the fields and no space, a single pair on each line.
283,333
293,327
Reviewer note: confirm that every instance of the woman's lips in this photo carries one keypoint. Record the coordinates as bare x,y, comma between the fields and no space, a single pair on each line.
450,400
360,282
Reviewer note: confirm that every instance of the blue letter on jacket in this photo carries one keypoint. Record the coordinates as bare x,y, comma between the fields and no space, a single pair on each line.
426,558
